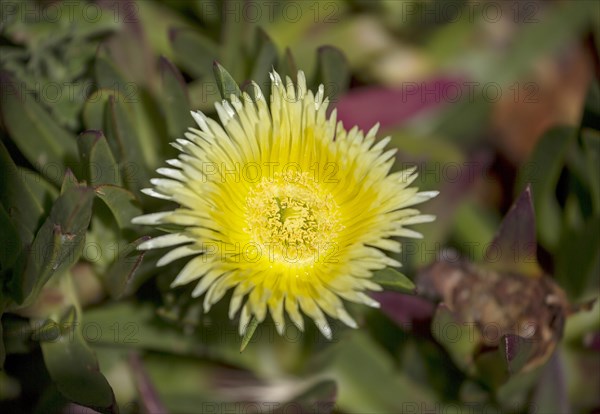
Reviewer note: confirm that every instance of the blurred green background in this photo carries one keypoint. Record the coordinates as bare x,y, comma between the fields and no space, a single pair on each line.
487,98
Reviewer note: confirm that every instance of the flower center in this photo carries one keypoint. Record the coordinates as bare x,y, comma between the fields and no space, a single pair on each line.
292,218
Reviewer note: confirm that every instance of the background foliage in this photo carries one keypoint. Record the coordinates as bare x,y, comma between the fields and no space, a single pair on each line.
497,103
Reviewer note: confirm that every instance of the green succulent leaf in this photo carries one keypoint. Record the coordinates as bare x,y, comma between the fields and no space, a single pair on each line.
126,143
591,146
20,203
98,160
9,240
194,52
543,171
94,109
591,109
72,365
69,181
57,245
264,58
120,274
43,191
225,82
290,68
577,258
459,339
391,279
42,141
250,329
175,100
108,75
121,202
332,71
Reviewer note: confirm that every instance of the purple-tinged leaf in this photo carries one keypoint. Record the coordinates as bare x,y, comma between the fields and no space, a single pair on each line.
551,393
516,351
392,107
514,246
149,398
592,341
405,310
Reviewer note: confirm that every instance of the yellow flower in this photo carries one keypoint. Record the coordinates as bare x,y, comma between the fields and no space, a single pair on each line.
285,206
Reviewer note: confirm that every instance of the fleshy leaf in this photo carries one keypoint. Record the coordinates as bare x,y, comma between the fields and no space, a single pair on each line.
249,332
226,84
121,202
124,138
34,131
193,51
357,362
73,367
120,274
516,352
543,171
41,189
391,279
458,338
108,75
515,243
58,243
9,240
98,160
591,146
577,257
332,72
19,202
176,104
265,58
591,109
289,66
94,108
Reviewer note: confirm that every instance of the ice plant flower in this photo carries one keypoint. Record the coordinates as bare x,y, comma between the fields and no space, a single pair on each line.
283,205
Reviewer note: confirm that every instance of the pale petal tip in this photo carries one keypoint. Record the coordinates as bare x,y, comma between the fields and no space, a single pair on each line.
325,330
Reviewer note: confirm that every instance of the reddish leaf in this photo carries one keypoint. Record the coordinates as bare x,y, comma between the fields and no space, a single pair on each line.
514,246
392,107
404,310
